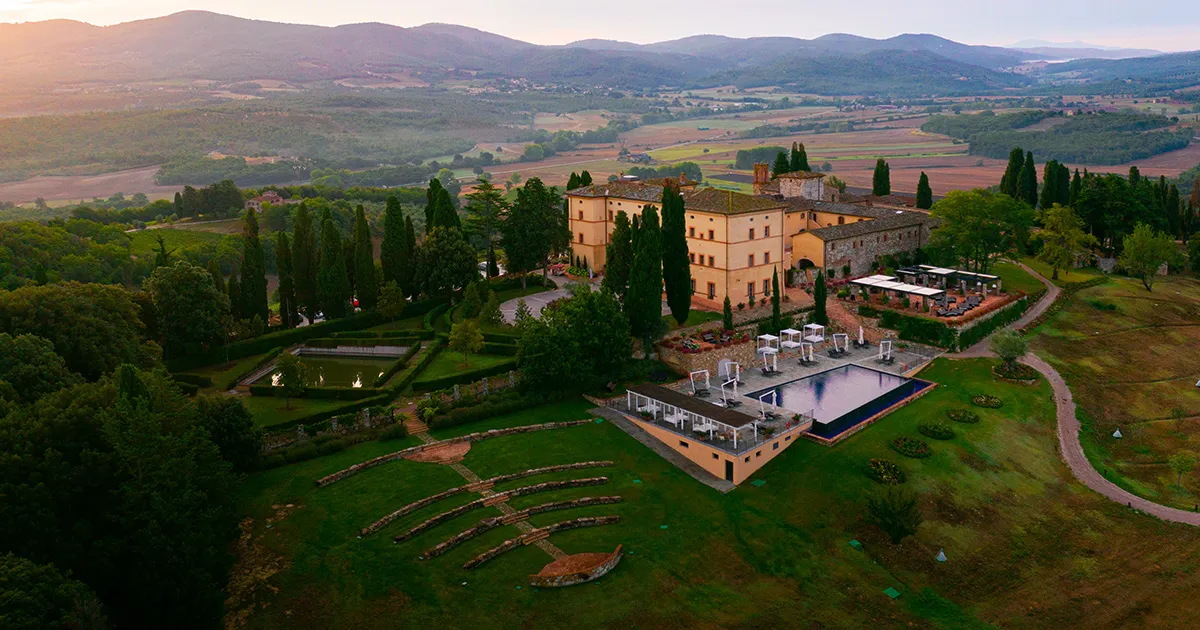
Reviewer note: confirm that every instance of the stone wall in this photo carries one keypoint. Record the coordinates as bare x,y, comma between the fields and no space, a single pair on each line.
488,524
540,534
839,253
745,353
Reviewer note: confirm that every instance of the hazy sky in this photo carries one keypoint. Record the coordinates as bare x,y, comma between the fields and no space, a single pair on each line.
1159,24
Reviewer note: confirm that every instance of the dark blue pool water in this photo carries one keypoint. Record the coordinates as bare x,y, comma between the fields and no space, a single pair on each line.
841,398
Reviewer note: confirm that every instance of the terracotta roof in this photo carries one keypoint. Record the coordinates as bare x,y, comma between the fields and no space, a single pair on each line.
861,228
800,204
695,405
895,200
639,191
801,175
728,202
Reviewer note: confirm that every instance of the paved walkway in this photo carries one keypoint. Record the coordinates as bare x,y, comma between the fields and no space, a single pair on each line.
1069,445
537,301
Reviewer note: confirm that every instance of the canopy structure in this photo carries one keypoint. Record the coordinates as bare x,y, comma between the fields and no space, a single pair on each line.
814,333
888,283
791,338
689,416
768,342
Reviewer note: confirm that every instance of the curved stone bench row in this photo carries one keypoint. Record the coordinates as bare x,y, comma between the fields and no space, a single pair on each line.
499,497
486,483
473,437
539,534
489,524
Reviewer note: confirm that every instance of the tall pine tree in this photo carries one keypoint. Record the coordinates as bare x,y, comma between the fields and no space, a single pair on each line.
1076,188
881,181
333,285
1012,174
619,256
1049,194
444,213
924,193
676,269
1027,187
643,302
305,261
287,285
391,250
254,271
366,285
585,179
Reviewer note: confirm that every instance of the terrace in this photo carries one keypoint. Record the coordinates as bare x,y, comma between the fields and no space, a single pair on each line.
941,292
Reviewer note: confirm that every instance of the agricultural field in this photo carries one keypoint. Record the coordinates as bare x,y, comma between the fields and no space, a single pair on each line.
1129,358
144,242
1026,545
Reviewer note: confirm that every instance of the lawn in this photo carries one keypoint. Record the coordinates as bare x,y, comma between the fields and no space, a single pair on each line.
1129,358
146,241
224,371
1016,278
1065,276
269,411
695,318
1027,546
448,362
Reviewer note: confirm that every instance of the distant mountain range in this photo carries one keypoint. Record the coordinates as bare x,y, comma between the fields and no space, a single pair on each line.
1078,50
202,45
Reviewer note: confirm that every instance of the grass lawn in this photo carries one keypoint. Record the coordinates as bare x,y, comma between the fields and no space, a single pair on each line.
1129,357
1016,278
448,362
146,241
1065,276
1027,546
695,318
223,371
270,411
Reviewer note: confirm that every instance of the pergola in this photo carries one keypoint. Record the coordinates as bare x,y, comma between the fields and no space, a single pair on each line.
889,283
791,338
768,342
690,415
814,333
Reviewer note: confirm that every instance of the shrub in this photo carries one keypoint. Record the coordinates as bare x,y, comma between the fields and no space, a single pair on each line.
911,447
866,310
964,416
885,471
986,400
1016,372
394,432
936,429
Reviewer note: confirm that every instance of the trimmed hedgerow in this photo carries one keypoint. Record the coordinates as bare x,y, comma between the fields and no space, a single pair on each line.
885,471
963,416
911,447
986,401
936,429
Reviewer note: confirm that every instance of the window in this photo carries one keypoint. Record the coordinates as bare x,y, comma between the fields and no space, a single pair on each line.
712,290
775,446
580,201
854,244
710,235
787,439
747,459
715,456
610,216
750,260
693,285
750,291
692,258
841,220
813,216
683,444
581,237
766,258
581,215
766,287
712,262
766,231
885,238
752,234
692,231
758,453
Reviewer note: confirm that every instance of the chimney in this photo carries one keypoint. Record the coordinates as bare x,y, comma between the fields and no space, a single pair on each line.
762,176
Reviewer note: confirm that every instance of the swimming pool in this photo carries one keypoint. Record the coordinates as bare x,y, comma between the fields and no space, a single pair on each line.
841,398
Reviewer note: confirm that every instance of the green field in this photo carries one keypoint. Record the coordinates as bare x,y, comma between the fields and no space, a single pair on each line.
1065,276
1129,358
1016,278
146,241
448,362
1027,546
269,411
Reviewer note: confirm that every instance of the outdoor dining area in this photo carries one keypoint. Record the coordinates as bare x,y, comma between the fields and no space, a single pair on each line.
920,298
700,420
940,291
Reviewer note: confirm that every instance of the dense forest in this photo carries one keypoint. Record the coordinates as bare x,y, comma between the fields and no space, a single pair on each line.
1102,138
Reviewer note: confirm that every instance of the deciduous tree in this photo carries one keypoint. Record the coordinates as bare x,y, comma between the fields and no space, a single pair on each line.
293,377
29,369
977,226
466,339
445,262
1144,252
192,314
1062,238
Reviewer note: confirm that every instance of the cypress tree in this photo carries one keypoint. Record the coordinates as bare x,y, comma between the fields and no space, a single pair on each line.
1064,185
727,315
924,193
493,265
364,262
287,286
643,302
881,182
819,293
781,166
178,204
348,259
585,179
676,269
254,271
391,250
1049,192
304,261
798,161
1135,177
234,291
573,181
214,270
333,285
1012,174
1076,188
1174,211
444,214
1027,188
431,200
619,256
776,317
406,280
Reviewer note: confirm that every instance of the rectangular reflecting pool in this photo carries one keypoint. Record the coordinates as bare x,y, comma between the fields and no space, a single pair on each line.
328,371
841,398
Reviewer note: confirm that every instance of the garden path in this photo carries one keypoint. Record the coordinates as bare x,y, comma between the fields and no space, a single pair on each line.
1069,446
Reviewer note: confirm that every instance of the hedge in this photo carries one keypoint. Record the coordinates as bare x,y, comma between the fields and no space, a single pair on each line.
1009,314
384,334
462,378
318,416
502,349
321,393
194,380
919,329
397,365
432,315
497,404
413,370
868,311
503,338
233,379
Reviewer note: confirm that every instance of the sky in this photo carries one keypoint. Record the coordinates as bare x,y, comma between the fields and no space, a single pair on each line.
1168,25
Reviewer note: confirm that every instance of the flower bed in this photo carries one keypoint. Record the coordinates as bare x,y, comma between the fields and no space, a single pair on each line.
695,342
963,416
911,447
936,429
986,401
885,472
1019,372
